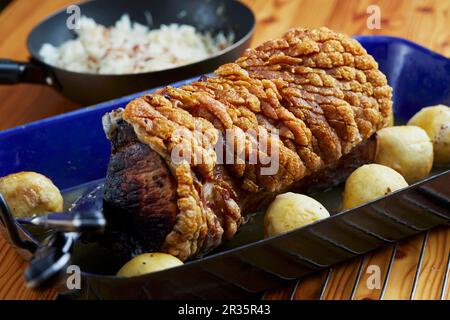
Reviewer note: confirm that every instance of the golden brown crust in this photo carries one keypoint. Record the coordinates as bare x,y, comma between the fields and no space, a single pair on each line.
319,89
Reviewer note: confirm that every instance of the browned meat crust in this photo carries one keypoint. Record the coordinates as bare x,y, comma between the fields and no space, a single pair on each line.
320,90
131,233
140,191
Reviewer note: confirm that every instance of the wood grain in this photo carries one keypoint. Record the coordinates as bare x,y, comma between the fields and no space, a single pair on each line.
25,103
404,268
283,292
446,289
341,280
434,265
422,21
380,258
12,284
311,287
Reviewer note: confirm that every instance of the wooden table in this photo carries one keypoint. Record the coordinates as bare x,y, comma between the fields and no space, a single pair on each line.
417,267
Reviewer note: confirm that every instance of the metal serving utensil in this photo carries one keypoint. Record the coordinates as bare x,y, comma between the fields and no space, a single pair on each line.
53,255
68,221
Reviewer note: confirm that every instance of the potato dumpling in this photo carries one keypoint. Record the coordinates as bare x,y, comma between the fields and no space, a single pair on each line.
406,149
290,211
30,193
370,182
436,122
147,263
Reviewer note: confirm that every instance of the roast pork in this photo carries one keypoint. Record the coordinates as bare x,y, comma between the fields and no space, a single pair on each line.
298,113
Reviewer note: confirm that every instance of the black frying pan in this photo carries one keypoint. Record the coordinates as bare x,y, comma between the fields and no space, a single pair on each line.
206,15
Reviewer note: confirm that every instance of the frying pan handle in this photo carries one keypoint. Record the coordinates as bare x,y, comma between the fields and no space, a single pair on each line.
13,72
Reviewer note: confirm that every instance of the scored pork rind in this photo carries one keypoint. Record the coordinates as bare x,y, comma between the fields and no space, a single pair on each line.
317,89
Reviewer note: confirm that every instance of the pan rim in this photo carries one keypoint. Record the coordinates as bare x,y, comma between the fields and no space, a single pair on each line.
237,250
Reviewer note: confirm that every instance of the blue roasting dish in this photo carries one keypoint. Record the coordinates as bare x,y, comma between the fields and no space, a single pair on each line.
72,150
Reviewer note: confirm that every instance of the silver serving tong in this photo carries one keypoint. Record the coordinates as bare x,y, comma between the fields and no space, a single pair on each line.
68,221
53,255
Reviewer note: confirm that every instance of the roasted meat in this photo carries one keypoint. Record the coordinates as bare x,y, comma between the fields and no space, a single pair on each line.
309,102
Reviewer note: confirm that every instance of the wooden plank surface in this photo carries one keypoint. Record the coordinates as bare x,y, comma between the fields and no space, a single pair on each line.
381,259
12,284
433,269
423,21
446,289
403,272
341,280
311,287
283,292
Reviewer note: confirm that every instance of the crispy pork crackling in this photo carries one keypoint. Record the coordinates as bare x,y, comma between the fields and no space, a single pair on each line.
314,97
